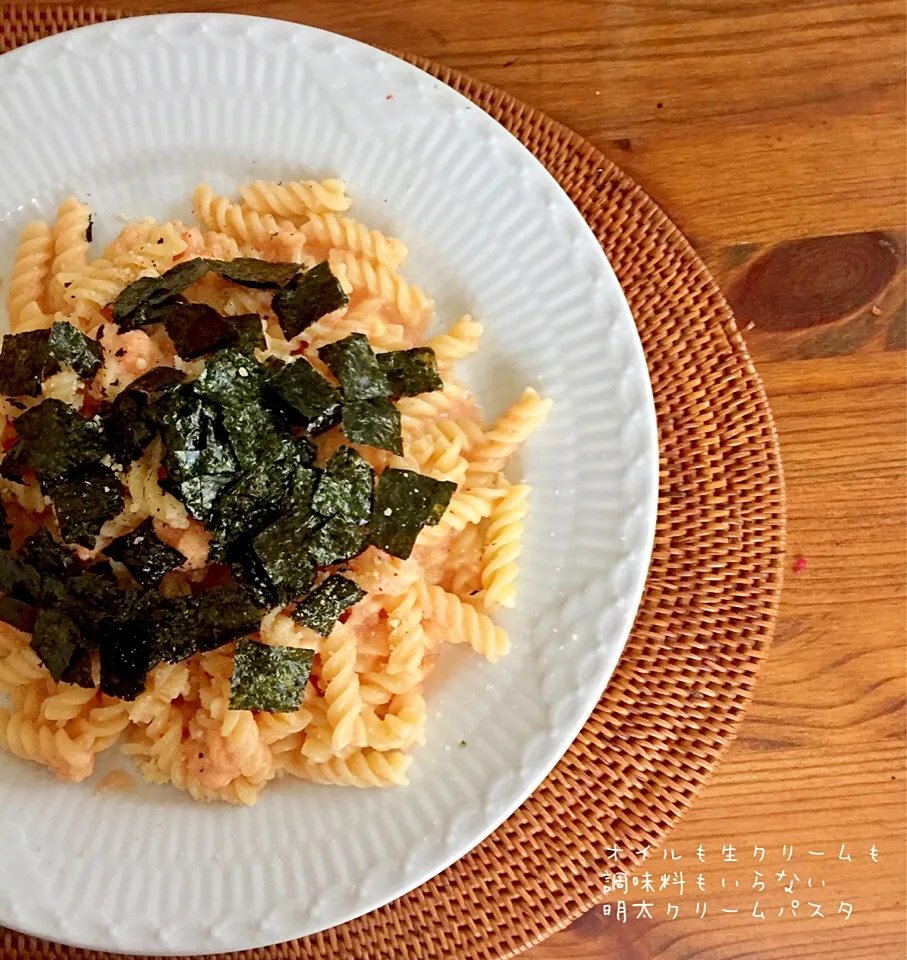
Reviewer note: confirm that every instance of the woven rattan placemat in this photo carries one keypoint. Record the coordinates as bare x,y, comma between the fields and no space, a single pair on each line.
706,618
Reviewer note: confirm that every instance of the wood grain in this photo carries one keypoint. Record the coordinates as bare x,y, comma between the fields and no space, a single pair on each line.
774,135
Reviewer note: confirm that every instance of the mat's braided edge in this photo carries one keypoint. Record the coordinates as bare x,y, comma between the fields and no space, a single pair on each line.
703,627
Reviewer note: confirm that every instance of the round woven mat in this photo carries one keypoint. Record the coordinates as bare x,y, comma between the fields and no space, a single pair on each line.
704,624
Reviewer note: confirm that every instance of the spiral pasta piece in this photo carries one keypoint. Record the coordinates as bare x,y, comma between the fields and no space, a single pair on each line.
502,548
296,200
20,667
407,638
458,342
70,246
459,622
378,281
467,506
510,430
364,768
343,233
402,726
341,690
31,269
243,224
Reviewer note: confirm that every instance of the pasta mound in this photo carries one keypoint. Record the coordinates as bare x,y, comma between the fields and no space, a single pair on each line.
363,709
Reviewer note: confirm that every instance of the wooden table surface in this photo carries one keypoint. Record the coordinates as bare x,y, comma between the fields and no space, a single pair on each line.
774,135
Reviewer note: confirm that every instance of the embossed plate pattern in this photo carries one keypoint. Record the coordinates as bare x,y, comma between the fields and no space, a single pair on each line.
130,116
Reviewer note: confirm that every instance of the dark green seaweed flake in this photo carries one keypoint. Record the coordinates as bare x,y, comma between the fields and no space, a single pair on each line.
47,556
198,494
345,487
140,302
196,329
173,629
18,614
255,435
373,422
404,504
308,394
410,372
18,579
126,657
250,272
248,330
353,363
251,575
272,679
80,672
306,298
68,345
58,440
24,362
224,614
129,427
83,501
15,463
145,556
335,541
283,556
56,638
231,379
321,608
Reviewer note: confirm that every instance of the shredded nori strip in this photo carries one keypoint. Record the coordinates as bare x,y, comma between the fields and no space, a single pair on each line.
68,345
196,329
321,608
353,363
144,555
308,394
284,558
271,679
306,298
18,614
345,487
47,556
335,541
84,500
55,638
374,422
139,303
23,362
404,503
410,372
248,331
259,274
199,494
58,440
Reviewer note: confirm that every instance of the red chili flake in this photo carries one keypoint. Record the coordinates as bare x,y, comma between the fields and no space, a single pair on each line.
107,312
303,346
162,473
390,96
800,564
344,616
382,614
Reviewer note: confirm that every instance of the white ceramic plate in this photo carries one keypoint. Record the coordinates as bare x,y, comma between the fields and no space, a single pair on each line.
130,116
